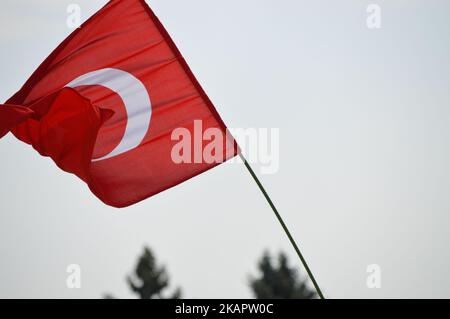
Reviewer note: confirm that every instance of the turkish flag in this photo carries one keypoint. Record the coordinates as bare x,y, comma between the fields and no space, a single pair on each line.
114,103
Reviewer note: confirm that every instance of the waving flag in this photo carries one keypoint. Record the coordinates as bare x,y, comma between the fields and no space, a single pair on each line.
105,103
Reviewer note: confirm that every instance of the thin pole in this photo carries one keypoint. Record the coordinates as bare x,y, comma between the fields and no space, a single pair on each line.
286,230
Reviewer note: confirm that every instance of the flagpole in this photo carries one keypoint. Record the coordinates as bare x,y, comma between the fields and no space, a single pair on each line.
286,230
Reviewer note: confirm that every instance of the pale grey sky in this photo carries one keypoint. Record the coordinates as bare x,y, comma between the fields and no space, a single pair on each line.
364,178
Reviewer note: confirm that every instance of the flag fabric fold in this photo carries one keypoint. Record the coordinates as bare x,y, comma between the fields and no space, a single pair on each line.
11,116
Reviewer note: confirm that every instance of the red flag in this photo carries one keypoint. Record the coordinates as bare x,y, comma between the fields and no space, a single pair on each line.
105,104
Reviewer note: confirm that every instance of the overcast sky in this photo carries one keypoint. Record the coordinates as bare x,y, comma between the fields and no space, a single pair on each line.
364,155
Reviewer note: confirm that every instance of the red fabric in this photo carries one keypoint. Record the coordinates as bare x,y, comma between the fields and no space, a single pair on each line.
11,115
72,126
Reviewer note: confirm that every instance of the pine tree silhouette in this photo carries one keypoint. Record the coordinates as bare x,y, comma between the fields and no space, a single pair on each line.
150,280
279,281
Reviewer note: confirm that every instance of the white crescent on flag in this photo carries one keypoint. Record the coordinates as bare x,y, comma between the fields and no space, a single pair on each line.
136,99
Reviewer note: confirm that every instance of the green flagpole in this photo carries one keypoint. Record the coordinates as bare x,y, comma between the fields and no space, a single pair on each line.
286,230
